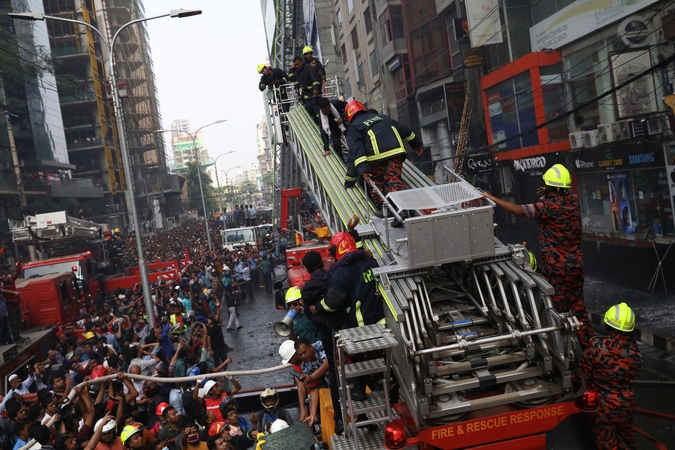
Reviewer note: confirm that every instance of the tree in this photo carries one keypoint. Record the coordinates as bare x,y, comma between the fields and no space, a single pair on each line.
194,194
246,188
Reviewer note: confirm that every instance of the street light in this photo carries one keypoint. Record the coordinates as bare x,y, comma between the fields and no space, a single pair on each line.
110,46
199,171
227,180
215,163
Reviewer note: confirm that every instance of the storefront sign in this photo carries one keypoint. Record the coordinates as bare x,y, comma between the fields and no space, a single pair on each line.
394,64
594,222
526,164
635,31
475,164
579,19
484,22
623,157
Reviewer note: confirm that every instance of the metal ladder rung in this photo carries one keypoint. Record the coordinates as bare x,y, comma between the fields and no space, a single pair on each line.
374,402
365,367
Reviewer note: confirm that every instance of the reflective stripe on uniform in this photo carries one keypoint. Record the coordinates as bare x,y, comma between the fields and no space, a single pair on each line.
326,307
409,138
360,160
348,178
359,315
373,142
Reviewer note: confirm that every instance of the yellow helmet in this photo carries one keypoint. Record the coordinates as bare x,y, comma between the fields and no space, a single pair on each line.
130,430
293,294
558,177
620,317
307,49
90,335
260,67
117,230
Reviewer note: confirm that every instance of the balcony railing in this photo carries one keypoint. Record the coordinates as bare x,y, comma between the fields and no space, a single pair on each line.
66,51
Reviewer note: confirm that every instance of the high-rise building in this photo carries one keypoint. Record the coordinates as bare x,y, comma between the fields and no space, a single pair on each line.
184,148
31,124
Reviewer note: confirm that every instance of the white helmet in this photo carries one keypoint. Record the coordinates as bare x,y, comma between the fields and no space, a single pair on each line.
110,426
278,425
286,351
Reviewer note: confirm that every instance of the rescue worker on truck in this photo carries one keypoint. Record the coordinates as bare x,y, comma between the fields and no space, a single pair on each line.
611,364
560,243
306,78
377,152
308,54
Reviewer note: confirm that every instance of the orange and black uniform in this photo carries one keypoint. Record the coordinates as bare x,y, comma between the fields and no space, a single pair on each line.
562,260
611,365
377,151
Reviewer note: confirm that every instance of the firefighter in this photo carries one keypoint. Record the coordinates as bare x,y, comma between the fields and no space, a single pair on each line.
117,253
306,78
560,243
308,54
377,152
271,77
611,364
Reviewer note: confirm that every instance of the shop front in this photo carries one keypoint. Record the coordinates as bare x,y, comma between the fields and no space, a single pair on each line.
626,210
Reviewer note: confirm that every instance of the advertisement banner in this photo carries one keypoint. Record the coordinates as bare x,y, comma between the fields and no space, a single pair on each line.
579,19
638,97
479,163
624,195
485,26
620,157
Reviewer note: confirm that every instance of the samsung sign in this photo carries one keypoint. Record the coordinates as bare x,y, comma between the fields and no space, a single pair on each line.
579,19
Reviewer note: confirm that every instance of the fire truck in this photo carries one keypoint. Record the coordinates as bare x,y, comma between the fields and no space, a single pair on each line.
473,354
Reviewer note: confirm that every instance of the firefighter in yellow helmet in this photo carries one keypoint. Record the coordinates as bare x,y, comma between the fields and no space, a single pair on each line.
611,364
308,54
559,217
132,436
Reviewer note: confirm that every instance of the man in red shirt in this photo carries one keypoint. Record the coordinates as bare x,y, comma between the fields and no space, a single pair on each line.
212,394
559,242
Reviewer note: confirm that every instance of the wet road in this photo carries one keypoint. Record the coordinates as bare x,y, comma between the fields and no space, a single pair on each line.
256,346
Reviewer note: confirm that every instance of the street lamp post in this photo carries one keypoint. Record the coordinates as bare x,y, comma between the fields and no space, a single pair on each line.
199,171
227,179
110,46
215,164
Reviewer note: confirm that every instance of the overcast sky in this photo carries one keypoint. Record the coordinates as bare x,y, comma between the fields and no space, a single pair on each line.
205,71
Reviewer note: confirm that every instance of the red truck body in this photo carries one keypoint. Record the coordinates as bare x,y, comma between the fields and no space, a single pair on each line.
50,298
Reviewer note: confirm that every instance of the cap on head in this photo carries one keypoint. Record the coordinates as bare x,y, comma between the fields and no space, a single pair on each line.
307,49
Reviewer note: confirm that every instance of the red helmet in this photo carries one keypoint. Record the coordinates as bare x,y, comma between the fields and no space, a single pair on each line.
107,233
352,108
160,408
98,372
341,244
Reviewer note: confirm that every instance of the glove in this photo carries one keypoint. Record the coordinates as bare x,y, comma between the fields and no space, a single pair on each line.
261,441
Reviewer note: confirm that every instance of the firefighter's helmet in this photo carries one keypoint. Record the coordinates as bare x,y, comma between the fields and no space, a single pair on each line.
293,294
620,317
307,49
107,233
130,430
557,176
352,108
341,244
260,67
117,231
270,399
111,425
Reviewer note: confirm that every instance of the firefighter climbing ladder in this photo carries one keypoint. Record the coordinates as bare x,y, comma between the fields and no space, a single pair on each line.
466,309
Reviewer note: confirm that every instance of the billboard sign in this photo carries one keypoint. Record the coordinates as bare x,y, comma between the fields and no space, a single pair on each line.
484,22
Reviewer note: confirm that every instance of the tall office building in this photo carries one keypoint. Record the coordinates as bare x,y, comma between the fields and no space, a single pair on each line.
184,148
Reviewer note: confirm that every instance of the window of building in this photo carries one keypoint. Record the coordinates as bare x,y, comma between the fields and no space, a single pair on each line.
339,19
429,47
361,81
374,64
391,24
350,6
511,111
344,54
368,20
402,80
355,38
348,89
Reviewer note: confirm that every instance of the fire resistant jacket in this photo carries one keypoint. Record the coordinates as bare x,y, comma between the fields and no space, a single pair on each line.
372,138
306,78
277,75
352,286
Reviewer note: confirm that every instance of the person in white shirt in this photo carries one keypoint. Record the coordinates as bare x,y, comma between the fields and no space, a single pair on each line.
146,365
19,386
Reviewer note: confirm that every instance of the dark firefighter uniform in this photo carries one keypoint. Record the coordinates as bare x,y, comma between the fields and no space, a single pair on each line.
611,364
273,76
117,254
377,151
352,288
304,77
562,260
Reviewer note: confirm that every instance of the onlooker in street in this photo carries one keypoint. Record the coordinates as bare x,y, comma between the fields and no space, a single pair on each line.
5,329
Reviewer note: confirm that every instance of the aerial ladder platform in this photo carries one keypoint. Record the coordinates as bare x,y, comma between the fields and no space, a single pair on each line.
53,228
469,325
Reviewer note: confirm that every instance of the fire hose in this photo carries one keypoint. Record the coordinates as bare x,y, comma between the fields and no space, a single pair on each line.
132,376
